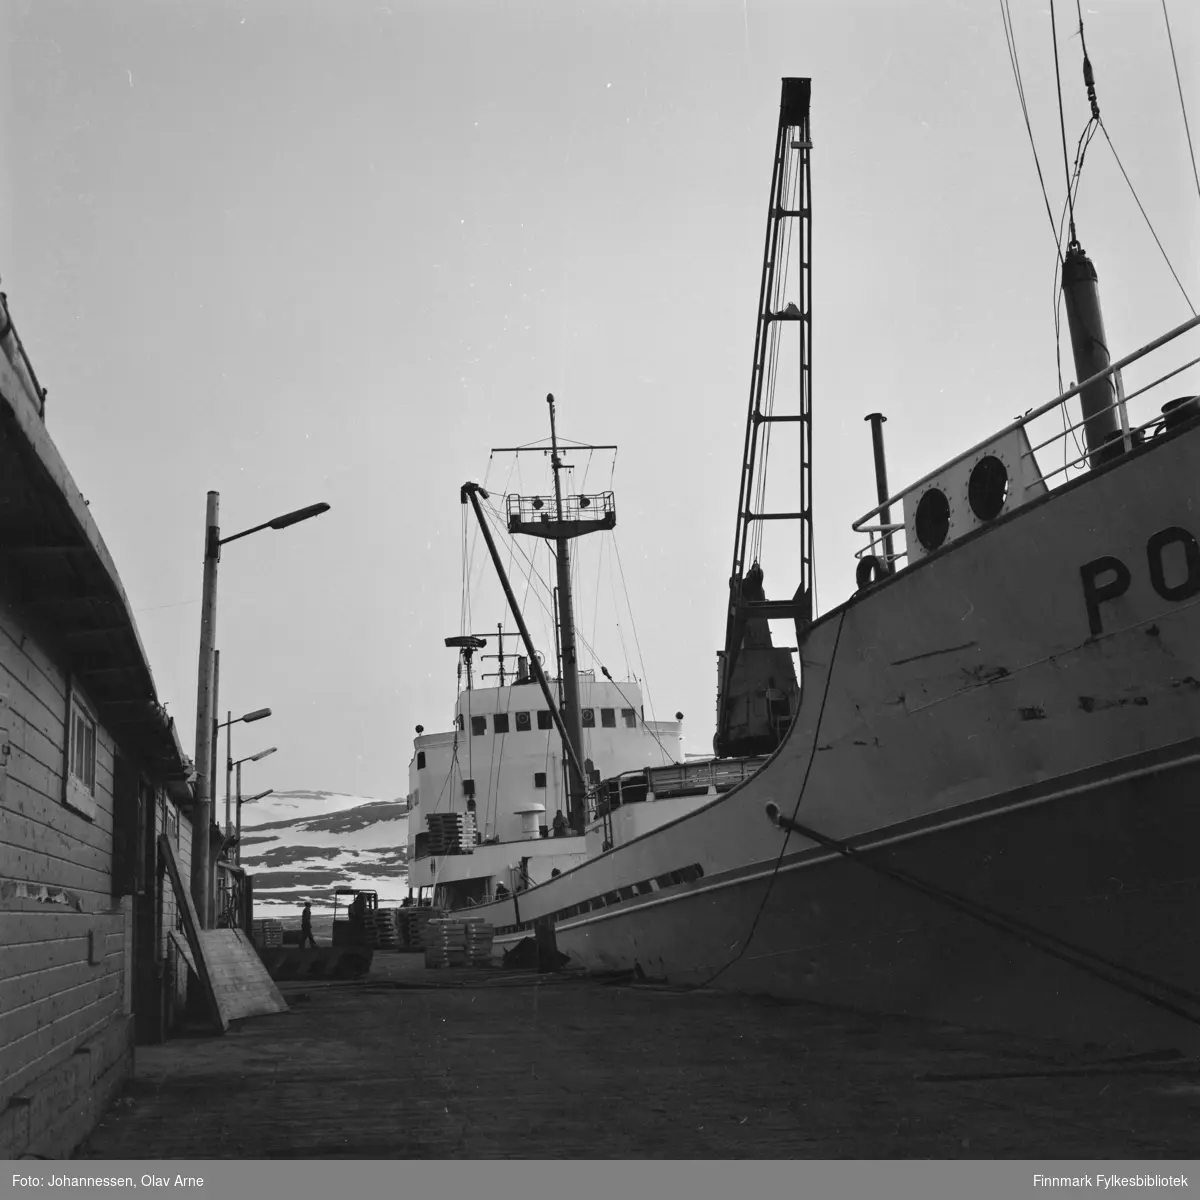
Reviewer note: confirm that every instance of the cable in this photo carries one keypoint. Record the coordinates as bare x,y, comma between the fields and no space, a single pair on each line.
812,754
1061,121
633,626
1104,130
666,755
1011,41
1182,106
1037,939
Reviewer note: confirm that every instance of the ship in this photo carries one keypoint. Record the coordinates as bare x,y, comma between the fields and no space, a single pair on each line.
976,801
498,802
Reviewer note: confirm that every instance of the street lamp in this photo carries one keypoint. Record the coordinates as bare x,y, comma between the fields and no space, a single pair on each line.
257,715
249,758
248,800
206,701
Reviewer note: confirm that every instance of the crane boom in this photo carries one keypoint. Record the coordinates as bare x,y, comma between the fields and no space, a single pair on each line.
757,690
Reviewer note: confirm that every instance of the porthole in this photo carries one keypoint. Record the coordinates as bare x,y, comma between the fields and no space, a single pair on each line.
932,519
987,488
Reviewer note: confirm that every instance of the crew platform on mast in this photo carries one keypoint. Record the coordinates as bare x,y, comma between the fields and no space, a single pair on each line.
538,516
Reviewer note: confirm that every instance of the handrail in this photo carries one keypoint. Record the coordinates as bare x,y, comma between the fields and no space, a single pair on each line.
1032,415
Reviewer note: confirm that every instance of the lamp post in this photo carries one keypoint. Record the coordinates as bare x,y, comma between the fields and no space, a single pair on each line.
257,715
206,701
237,846
238,765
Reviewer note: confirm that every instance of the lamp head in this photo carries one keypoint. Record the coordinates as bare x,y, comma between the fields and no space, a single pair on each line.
301,514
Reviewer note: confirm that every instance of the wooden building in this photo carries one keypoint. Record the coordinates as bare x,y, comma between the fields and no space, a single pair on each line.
91,772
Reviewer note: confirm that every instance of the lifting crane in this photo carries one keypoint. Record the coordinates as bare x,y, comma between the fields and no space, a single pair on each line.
757,692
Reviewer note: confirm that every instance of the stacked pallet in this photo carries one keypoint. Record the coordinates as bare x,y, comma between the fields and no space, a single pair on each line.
454,942
379,928
478,941
451,833
412,926
446,944
267,934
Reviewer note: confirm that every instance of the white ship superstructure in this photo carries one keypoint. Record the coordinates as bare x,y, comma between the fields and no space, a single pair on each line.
501,768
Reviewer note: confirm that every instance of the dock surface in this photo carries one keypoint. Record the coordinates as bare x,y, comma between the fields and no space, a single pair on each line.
413,1063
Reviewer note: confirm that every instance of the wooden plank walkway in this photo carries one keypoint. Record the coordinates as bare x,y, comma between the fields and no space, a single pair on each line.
409,1064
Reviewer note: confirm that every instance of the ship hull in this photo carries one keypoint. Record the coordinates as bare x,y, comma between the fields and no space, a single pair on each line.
1017,716
1106,868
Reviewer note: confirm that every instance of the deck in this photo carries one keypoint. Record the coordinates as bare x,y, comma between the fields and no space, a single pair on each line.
423,1064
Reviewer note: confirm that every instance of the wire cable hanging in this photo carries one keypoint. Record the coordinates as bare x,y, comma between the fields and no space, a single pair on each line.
1179,86
1011,41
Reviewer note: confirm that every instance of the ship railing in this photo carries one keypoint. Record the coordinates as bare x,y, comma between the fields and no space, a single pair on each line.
598,508
709,777
1044,444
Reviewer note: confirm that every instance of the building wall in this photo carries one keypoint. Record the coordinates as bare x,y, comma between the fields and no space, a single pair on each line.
66,943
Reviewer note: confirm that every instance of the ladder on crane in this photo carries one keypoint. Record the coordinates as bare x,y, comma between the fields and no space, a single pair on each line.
757,692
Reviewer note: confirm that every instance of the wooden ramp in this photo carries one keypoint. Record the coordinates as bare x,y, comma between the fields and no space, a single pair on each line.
232,977
240,982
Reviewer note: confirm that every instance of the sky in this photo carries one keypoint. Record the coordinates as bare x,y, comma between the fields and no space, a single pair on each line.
300,252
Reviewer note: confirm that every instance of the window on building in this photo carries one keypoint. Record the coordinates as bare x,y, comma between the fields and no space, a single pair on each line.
539,779
589,718
420,760
478,726
608,718
500,723
629,717
523,725
544,721
81,759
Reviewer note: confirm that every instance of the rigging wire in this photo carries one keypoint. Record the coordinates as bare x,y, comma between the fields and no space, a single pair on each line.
465,598
1182,106
612,583
1062,122
1011,41
633,626
640,716
596,592
1141,209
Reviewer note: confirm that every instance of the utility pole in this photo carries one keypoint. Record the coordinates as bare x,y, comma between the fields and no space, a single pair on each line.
205,713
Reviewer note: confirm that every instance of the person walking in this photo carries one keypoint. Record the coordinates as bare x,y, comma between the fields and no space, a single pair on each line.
306,933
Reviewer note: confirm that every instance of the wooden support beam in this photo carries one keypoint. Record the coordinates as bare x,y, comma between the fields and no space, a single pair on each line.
192,930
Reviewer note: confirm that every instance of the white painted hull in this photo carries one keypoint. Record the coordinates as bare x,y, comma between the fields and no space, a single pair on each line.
1029,764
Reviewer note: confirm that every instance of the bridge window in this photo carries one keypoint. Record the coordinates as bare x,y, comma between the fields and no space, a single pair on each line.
544,721
629,717
523,725
420,760
608,718
539,779
589,718
478,725
500,723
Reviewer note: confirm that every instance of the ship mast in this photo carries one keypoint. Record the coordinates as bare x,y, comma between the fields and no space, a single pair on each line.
572,717
557,519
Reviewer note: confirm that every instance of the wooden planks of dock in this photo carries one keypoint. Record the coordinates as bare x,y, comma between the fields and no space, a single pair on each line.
415,1063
